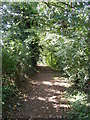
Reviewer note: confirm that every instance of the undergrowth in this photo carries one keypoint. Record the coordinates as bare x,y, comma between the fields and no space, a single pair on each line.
79,105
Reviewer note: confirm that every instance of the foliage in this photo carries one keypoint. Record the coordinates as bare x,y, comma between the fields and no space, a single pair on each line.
67,43
78,101
20,47
65,28
9,90
57,32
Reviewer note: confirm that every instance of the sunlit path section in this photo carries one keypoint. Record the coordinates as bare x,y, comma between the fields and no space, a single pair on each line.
43,95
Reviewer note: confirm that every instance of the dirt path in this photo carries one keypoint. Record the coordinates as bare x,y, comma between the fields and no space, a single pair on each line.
42,96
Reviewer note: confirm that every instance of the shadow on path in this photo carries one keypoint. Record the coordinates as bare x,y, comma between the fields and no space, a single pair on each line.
42,96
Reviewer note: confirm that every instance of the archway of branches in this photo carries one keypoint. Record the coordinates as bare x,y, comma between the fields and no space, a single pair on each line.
45,33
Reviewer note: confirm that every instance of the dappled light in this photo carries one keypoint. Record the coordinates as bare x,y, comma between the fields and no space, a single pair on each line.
58,106
45,60
47,83
43,94
62,84
47,93
40,98
54,91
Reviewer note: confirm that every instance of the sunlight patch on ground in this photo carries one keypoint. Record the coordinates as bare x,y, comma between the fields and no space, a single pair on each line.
47,83
25,96
61,106
27,77
57,99
54,98
50,99
53,88
54,91
35,82
56,81
33,98
62,84
41,64
61,79
40,98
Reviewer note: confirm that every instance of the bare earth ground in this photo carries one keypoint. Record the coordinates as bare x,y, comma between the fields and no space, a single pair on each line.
42,96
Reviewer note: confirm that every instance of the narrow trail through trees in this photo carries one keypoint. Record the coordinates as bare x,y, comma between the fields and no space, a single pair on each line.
43,96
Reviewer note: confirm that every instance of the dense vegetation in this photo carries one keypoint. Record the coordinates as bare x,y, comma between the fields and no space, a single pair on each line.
55,33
